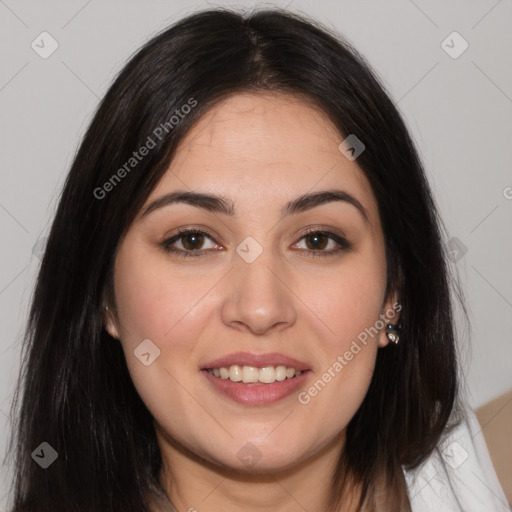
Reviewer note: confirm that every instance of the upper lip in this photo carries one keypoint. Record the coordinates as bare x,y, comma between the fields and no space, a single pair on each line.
256,360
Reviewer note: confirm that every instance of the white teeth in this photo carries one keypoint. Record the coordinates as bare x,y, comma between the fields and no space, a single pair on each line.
280,373
252,374
267,375
249,374
235,373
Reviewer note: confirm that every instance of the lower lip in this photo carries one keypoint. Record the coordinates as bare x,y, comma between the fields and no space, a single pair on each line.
257,394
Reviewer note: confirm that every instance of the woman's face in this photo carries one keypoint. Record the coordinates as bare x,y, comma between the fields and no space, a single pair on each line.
256,292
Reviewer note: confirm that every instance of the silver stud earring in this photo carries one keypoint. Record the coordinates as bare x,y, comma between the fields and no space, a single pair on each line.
392,332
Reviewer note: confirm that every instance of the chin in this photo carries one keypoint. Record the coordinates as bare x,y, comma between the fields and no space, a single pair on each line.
253,457
255,462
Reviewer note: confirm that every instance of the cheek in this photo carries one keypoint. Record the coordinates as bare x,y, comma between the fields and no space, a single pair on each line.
350,305
349,310
153,301
155,304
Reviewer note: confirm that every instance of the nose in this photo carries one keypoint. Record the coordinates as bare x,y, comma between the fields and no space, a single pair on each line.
259,299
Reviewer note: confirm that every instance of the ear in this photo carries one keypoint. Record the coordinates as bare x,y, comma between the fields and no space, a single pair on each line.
390,314
110,323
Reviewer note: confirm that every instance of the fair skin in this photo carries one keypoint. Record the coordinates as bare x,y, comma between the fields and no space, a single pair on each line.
260,151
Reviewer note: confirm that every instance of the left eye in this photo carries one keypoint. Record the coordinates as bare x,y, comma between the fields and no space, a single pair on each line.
319,240
192,241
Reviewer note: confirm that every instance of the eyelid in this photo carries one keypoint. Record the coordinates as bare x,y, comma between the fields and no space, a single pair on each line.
316,228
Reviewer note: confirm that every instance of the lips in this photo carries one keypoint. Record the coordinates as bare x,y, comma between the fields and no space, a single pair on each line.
256,360
256,393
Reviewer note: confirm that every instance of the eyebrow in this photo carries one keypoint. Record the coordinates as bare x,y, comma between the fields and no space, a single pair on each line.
220,204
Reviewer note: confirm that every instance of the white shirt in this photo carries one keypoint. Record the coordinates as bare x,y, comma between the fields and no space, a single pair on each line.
458,476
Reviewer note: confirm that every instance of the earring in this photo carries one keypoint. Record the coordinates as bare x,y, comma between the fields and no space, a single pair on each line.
392,332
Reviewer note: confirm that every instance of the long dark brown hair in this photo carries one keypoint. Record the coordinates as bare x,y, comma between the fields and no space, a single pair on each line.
75,392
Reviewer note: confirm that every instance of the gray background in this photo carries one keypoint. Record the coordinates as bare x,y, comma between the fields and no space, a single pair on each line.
458,110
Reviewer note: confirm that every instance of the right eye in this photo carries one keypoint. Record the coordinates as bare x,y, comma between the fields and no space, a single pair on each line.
190,239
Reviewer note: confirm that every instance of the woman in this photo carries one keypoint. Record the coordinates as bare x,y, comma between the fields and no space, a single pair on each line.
187,348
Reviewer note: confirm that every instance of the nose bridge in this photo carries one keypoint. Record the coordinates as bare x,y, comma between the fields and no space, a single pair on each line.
259,297
253,265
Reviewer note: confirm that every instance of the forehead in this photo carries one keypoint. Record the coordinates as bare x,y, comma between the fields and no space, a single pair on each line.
262,148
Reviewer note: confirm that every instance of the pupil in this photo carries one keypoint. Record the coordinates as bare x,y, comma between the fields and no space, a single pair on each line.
317,237
195,242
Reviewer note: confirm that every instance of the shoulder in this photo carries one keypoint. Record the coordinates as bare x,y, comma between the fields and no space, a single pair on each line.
458,475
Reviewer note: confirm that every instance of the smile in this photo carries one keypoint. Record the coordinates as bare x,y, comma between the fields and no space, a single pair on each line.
256,393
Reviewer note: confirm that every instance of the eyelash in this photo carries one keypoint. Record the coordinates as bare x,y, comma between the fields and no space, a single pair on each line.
166,244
